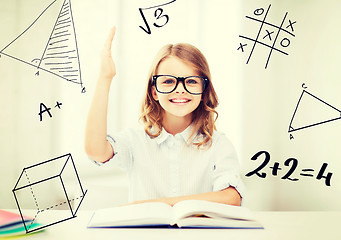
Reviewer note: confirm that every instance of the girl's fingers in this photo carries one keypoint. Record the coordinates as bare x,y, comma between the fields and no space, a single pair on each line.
109,40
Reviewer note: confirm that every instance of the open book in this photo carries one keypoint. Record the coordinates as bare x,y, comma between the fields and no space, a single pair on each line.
188,213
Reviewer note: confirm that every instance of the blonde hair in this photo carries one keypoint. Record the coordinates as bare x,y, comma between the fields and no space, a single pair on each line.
204,116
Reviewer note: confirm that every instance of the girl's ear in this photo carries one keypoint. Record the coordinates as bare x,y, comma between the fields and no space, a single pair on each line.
154,94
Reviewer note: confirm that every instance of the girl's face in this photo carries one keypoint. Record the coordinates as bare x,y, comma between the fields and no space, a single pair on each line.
178,103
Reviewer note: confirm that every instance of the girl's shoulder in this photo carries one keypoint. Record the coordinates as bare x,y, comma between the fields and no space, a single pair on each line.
220,138
218,134
222,145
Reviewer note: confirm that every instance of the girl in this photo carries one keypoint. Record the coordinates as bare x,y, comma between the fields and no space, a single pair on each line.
179,155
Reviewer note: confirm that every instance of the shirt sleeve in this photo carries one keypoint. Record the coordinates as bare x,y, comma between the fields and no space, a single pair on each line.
121,145
226,169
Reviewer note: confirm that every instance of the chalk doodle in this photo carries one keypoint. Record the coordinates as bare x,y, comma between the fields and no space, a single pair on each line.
293,164
59,55
311,111
268,34
35,184
44,109
161,19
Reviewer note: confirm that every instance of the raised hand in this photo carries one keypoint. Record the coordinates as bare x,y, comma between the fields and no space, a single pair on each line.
108,69
96,145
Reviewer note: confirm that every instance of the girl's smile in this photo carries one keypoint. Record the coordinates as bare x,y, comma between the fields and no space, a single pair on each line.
180,101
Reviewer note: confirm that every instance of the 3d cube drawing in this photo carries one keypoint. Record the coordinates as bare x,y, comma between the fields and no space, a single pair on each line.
38,186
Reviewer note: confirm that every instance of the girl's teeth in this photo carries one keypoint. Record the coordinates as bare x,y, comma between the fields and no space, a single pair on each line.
179,100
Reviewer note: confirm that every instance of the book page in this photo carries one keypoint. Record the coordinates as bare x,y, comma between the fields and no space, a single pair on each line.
152,213
202,222
211,209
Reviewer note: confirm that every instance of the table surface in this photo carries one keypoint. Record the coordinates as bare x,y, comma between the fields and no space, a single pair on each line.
277,225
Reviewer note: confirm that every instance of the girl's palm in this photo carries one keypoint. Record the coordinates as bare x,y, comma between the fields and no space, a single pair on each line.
108,69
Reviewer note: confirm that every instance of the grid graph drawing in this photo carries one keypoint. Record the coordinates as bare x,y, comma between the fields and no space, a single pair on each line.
273,37
311,111
35,186
49,43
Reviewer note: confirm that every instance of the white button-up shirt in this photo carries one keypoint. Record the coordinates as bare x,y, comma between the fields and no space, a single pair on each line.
167,167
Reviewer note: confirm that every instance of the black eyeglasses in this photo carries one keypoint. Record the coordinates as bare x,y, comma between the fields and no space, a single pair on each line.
167,83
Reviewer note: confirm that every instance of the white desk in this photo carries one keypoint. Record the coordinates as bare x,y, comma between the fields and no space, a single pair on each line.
278,225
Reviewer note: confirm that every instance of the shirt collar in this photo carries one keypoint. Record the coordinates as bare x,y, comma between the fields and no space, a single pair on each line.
164,135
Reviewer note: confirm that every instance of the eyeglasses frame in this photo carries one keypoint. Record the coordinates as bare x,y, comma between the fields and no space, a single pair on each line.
180,79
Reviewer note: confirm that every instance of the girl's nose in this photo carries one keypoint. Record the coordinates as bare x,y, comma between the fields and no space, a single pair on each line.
180,88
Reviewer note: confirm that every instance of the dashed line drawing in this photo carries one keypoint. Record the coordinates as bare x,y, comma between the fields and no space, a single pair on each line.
33,188
311,111
60,55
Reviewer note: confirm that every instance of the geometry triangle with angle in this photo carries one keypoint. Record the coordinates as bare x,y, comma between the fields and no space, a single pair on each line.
59,51
311,111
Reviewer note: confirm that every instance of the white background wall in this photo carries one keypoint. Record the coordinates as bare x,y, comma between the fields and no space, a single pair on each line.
256,104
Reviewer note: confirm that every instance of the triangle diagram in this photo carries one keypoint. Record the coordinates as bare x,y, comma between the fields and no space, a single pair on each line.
54,49
311,111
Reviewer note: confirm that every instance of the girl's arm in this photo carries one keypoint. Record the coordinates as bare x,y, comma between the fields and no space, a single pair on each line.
227,196
96,145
